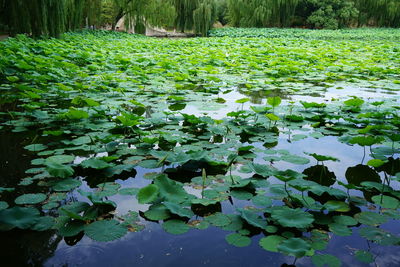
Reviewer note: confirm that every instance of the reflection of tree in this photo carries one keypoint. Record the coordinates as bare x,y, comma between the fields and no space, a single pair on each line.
320,174
27,248
363,173
13,159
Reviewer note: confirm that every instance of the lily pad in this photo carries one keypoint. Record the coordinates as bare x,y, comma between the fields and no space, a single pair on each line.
294,247
19,217
321,260
148,194
370,218
106,230
288,217
175,227
238,240
386,201
271,242
30,199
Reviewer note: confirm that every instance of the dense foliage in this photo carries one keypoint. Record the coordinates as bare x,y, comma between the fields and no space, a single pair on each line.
50,17
235,133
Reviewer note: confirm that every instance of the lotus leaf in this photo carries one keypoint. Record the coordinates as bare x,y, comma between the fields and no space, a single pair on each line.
106,230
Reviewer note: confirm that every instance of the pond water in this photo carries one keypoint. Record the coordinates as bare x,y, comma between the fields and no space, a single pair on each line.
155,247
119,150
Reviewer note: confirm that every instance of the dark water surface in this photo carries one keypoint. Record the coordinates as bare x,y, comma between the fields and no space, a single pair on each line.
154,247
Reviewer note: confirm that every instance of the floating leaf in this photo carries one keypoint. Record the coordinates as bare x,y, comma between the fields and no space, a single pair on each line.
147,194
66,184
157,212
60,159
288,217
253,218
59,170
95,163
364,256
106,230
386,201
370,218
175,227
30,199
321,260
271,242
218,219
238,240
379,236
3,205
294,247
44,223
334,205
178,210
19,217
35,147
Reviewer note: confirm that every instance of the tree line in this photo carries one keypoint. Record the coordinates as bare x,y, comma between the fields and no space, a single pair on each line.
53,17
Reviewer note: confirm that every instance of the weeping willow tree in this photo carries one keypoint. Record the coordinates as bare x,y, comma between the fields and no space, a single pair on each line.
47,17
204,16
382,13
261,13
143,12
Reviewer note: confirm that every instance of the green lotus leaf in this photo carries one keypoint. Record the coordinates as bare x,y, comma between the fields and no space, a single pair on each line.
218,219
321,157
71,228
294,247
271,242
59,170
379,236
366,140
105,231
242,100
129,191
375,163
30,199
148,194
241,194
35,147
386,202
95,163
172,191
66,184
175,227
19,217
44,223
295,159
3,205
238,240
364,256
60,159
274,101
334,205
288,217
157,212
178,210
345,220
272,117
370,218
321,260
253,218
340,229
261,200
